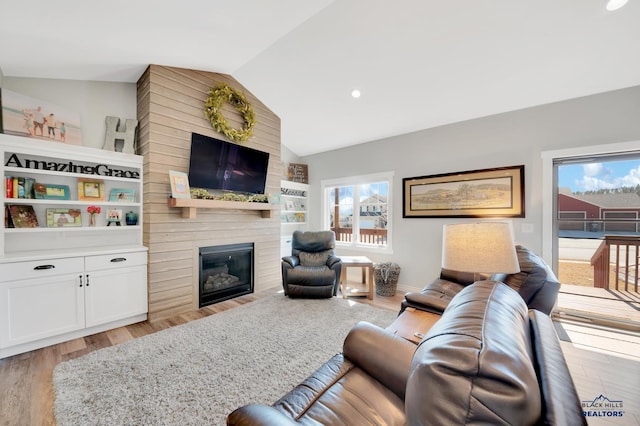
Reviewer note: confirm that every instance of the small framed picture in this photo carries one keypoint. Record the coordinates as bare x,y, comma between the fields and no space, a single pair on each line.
51,192
289,205
23,216
179,184
122,195
57,218
114,216
91,189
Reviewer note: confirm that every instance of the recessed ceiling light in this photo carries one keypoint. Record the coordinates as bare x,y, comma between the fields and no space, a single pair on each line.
355,93
615,4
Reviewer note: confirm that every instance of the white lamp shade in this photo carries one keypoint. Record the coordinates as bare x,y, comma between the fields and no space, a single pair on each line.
485,247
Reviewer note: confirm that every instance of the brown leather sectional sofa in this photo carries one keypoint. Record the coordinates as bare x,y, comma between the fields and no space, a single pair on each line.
536,283
487,360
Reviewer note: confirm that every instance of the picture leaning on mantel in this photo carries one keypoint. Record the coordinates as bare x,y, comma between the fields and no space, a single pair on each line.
496,192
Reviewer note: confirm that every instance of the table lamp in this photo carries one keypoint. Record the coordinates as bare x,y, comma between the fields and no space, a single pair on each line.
484,247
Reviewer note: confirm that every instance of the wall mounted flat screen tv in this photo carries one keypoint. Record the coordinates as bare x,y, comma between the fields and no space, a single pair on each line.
220,165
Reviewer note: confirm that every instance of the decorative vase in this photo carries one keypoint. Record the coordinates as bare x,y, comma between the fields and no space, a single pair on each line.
92,220
131,218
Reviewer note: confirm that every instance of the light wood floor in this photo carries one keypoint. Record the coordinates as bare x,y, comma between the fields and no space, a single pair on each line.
26,390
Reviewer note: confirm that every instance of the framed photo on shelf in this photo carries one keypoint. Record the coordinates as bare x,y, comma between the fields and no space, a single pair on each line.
122,195
91,189
179,184
63,217
114,216
51,192
497,192
289,205
23,216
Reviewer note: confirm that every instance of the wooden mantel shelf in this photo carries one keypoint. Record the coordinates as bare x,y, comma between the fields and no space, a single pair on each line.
190,205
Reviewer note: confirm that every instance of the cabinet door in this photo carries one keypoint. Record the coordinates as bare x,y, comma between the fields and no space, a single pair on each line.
115,294
37,308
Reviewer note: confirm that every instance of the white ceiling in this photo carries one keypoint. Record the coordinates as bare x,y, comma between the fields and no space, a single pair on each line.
418,63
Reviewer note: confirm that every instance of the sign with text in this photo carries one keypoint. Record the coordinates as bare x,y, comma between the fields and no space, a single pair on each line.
298,173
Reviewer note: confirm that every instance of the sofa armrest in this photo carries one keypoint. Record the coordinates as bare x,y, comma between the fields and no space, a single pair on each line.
291,261
332,260
561,403
426,302
381,354
257,414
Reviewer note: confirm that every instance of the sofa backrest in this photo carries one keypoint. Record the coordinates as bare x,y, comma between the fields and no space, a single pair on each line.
476,364
536,283
313,242
464,278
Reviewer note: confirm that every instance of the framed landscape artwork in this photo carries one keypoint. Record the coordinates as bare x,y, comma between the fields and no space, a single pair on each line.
23,115
497,192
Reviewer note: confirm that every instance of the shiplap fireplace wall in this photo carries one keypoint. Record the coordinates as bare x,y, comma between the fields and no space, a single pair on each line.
171,107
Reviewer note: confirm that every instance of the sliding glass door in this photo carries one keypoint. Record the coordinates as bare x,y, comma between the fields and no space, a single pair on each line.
596,231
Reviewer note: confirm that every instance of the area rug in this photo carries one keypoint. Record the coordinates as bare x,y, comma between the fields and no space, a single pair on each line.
197,373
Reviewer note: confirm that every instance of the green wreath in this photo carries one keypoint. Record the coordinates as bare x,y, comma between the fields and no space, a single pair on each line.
213,112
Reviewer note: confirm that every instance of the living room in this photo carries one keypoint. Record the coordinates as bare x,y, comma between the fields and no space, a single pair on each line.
516,135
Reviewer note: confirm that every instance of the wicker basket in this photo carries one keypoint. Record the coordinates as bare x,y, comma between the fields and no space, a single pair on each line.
385,276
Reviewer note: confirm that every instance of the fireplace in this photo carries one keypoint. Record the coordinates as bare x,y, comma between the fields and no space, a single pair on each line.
225,272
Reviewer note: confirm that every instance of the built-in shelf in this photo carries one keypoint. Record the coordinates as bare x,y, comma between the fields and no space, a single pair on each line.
190,205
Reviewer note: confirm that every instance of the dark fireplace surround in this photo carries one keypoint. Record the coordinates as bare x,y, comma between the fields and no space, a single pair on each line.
226,271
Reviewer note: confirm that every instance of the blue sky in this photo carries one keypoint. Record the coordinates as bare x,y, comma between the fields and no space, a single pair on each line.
594,176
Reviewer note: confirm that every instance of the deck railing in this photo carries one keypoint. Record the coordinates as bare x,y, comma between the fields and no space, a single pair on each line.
623,268
367,236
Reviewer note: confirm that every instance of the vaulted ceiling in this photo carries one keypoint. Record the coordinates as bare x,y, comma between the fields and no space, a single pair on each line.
417,63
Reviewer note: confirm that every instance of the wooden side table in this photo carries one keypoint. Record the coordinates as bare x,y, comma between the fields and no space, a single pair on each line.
367,278
413,324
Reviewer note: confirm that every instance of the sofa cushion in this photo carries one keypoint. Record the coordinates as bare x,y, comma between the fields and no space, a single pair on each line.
311,275
476,362
314,259
436,295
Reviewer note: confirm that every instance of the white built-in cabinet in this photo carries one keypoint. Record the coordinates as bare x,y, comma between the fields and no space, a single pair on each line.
62,282
294,212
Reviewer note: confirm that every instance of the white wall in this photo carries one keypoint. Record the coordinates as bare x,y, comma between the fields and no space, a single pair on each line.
93,100
507,139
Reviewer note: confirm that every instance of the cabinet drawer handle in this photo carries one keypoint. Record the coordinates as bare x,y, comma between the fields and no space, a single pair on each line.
119,259
41,267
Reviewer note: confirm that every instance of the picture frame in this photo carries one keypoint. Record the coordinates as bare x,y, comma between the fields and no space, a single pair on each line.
179,184
122,195
91,189
58,218
289,205
27,116
298,173
495,192
114,216
47,191
23,216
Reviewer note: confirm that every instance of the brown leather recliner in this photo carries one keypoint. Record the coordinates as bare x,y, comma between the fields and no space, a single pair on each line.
536,283
488,360
313,269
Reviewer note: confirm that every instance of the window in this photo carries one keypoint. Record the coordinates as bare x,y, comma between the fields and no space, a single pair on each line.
370,198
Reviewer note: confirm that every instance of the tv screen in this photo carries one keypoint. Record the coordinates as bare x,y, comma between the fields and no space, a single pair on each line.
220,165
